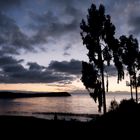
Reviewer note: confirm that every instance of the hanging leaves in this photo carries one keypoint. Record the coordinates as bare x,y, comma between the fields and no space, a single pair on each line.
89,75
107,55
97,95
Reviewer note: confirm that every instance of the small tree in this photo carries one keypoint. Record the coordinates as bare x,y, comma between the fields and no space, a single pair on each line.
113,105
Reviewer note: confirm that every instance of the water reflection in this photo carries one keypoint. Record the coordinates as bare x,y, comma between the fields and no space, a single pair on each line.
74,104
7,105
79,104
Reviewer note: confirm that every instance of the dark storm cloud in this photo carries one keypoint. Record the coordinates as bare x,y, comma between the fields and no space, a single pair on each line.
74,67
4,49
55,25
8,60
4,4
35,66
111,70
69,46
65,3
12,71
15,68
66,54
36,76
125,14
123,2
12,39
63,18
51,26
134,23
66,49
71,67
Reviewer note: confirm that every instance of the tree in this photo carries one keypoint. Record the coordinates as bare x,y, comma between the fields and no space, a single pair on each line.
98,37
91,81
130,55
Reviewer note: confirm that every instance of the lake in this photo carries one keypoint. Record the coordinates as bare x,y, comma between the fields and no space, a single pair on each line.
45,107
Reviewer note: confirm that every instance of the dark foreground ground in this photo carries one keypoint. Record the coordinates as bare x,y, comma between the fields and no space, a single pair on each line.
124,121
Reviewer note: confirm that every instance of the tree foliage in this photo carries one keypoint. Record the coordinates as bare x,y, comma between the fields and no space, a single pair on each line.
91,81
130,57
98,37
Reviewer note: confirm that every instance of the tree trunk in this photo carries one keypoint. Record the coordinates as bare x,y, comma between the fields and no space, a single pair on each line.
103,86
131,88
102,76
136,88
131,91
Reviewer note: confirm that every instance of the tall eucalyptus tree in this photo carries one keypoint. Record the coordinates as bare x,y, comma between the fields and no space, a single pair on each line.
98,37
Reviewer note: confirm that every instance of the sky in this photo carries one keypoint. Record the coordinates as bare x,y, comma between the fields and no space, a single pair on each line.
40,44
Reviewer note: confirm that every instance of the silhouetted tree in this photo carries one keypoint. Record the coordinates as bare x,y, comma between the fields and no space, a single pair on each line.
91,82
130,59
98,36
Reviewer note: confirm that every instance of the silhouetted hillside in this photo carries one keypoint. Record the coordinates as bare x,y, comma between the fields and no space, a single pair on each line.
9,95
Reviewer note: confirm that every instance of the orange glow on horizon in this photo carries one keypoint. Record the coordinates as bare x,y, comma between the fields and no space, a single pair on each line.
29,87
56,87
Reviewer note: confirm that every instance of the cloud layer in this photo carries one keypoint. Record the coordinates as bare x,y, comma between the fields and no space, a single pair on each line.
58,21
72,67
12,39
4,4
59,24
12,71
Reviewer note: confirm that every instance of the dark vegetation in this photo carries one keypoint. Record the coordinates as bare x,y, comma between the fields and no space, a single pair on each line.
105,49
125,116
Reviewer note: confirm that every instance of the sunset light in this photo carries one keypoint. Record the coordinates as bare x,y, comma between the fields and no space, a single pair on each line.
69,65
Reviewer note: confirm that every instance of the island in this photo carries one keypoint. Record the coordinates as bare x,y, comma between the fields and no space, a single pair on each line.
12,94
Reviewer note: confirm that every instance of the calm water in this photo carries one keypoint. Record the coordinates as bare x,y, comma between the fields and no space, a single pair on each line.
43,106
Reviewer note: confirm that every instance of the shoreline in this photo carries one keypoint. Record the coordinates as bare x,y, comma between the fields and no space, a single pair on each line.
59,115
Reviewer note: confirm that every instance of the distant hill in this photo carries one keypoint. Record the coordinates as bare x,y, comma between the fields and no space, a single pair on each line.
10,94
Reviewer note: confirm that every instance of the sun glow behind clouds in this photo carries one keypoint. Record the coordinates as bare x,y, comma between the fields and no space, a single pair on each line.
30,87
44,87
58,87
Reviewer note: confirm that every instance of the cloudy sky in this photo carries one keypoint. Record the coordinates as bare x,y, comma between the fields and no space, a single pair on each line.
40,44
